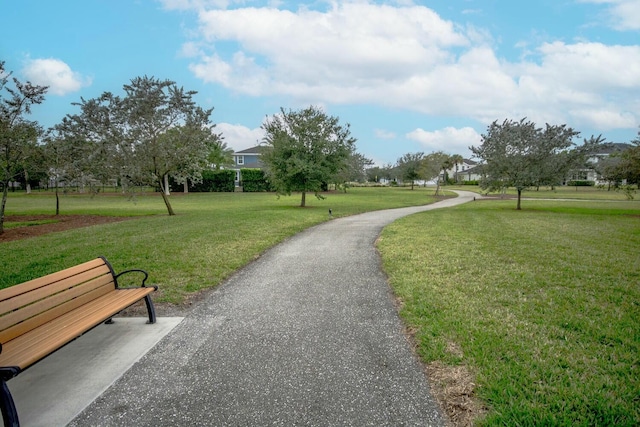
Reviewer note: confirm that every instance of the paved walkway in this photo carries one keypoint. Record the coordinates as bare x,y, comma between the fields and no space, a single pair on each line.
306,335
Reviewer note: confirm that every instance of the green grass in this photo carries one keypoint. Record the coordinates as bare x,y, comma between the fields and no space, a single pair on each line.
580,193
212,235
544,303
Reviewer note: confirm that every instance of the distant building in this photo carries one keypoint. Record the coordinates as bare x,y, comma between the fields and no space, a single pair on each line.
465,171
591,173
249,158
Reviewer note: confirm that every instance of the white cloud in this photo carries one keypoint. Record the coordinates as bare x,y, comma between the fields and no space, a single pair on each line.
605,118
190,50
449,140
384,134
238,137
194,4
572,79
56,74
355,45
410,58
624,15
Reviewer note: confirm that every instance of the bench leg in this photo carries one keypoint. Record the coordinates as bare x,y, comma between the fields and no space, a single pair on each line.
9,412
150,309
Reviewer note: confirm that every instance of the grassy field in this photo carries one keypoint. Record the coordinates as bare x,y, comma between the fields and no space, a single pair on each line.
212,235
541,306
579,193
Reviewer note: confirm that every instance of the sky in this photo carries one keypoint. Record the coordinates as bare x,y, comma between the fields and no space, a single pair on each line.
407,76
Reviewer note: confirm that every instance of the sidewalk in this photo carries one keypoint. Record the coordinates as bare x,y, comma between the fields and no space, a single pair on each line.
305,335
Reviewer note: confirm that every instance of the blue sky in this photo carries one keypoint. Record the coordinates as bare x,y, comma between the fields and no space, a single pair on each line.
408,76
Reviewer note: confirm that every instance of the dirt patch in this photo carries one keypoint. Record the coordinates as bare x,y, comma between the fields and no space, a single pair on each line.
59,223
454,389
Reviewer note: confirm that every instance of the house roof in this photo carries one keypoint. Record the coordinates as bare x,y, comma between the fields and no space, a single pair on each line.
477,169
258,149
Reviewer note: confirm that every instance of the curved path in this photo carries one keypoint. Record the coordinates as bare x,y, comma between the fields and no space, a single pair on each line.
305,335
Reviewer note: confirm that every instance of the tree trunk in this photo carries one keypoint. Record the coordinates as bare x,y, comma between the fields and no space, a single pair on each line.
167,204
165,194
57,200
304,199
519,194
186,187
166,185
5,194
437,187
26,180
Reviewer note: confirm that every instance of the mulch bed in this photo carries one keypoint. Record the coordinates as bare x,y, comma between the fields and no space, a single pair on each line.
62,223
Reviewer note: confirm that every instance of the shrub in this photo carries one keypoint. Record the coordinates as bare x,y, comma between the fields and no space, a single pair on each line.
254,180
216,181
223,181
581,183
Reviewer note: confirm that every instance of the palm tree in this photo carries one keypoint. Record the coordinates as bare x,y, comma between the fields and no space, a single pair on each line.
456,159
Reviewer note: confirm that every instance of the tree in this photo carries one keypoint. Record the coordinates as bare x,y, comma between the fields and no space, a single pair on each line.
455,159
34,166
435,163
155,131
354,170
220,155
18,135
374,174
518,154
629,166
305,150
410,167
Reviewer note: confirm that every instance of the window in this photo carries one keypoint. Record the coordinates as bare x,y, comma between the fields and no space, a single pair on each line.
240,160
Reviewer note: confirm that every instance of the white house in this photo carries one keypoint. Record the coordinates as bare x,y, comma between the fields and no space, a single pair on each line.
465,171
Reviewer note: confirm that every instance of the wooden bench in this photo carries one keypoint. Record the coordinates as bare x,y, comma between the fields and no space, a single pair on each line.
42,315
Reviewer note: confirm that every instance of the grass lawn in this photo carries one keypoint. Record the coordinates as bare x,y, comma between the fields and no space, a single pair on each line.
540,306
580,193
212,235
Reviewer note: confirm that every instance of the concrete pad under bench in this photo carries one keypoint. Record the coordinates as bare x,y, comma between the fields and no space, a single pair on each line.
54,391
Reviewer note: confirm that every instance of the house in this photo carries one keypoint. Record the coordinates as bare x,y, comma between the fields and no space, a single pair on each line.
465,171
249,158
472,173
596,161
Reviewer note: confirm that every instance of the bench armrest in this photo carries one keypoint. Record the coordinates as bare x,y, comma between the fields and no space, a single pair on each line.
135,270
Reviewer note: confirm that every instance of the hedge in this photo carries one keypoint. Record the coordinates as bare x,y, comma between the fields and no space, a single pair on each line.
216,181
254,180
581,183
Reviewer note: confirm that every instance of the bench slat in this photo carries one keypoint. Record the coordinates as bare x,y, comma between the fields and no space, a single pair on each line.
32,346
31,296
21,321
13,291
